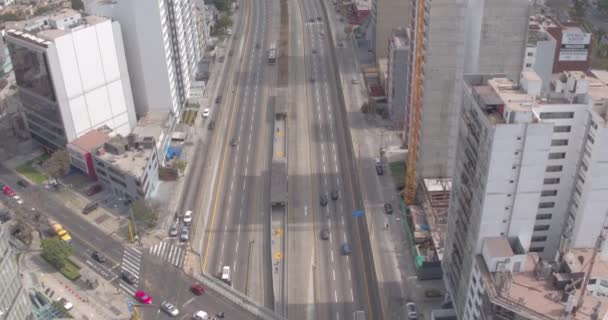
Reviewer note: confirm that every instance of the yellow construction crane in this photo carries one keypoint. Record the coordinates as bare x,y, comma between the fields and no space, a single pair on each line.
415,105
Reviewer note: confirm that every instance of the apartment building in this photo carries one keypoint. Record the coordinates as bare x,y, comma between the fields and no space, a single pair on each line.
530,170
399,47
72,76
14,303
451,38
162,49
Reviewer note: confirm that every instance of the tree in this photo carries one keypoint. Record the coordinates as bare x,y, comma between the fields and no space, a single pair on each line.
179,165
602,4
224,21
56,251
77,5
145,212
222,5
58,165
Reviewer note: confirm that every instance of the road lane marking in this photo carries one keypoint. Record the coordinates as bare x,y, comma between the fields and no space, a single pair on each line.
188,302
352,296
332,257
349,279
336,297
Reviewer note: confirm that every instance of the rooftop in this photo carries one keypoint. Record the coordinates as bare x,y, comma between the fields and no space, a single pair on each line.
534,36
435,206
537,292
92,140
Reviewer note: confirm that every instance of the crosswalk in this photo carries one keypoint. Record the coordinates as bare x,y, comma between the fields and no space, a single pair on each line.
170,252
131,261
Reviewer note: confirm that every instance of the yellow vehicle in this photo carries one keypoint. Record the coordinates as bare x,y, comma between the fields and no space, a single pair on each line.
60,232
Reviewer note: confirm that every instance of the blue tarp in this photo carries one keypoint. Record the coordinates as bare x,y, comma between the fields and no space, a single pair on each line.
173,152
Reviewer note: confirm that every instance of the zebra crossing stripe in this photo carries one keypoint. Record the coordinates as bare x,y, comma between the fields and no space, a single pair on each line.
128,289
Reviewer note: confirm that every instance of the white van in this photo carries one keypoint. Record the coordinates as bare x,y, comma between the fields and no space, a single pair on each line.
200,315
226,275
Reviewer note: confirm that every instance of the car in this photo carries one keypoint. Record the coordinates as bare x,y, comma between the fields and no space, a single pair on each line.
322,33
226,275
65,304
173,231
128,278
379,170
319,18
346,249
228,31
187,217
169,308
23,183
388,208
234,141
323,200
143,297
324,234
312,79
206,113
340,44
211,125
184,235
410,307
5,217
8,191
231,52
311,19
257,45
18,199
433,293
200,315
341,19
222,58
334,194
197,289
314,51
90,207
2,185
93,190
354,80
98,256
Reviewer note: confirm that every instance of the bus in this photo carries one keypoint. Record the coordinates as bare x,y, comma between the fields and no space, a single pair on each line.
272,54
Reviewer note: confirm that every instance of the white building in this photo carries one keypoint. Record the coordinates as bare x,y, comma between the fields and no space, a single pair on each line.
161,45
72,76
530,169
398,53
540,50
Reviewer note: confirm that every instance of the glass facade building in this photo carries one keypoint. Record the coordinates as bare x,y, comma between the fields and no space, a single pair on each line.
14,304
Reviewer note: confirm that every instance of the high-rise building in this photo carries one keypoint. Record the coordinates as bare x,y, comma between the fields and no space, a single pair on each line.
530,177
14,304
161,45
398,48
72,76
540,49
388,15
451,38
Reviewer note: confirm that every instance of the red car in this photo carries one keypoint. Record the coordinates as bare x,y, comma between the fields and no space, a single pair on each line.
143,297
197,289
8,191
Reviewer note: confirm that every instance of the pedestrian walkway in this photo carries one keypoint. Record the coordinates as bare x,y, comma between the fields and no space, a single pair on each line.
131,262
173,253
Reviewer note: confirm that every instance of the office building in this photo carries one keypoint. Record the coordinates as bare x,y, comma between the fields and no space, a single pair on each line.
72,76
399,47
161,46
450,38
393,14
14,304
530,177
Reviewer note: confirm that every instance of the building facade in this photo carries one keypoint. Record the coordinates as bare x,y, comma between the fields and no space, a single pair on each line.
393,14
161,45
72,76
397,77
456,38
523,174
14,304
540,49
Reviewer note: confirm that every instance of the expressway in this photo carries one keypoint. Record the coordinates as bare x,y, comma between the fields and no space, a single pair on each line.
335,281
239,204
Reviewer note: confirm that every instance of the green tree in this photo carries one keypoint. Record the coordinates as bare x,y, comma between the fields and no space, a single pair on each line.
77,5
56,251
58,165
146,212
224,21
179,165
222,5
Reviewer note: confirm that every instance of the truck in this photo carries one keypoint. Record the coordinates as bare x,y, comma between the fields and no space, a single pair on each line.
59,231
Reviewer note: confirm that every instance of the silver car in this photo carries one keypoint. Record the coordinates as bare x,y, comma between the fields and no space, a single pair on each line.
184,235
169,308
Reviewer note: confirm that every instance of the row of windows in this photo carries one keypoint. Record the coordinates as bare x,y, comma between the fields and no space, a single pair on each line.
559,142
556,115
542,227
544,205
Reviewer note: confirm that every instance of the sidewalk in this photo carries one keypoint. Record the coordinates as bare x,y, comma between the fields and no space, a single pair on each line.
100,303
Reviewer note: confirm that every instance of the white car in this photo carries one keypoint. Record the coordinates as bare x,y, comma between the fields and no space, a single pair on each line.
65,304
200,315
411,310
228,31
18,199
188,217
206,113
169,308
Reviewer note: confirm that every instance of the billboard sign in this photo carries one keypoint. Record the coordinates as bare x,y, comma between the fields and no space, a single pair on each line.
574,46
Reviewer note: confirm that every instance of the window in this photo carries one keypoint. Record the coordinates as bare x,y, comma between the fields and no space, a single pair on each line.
536,249
584,167
544,205
557,155
548,193
528,65
541,227
593,125
544,216
539,238
590,139
559,142
530,54
551,181
554,169
559,129
556,115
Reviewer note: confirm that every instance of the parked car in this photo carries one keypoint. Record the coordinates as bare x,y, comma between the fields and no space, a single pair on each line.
257,45
433,293
18,199
211,125
323,200
90,207
98,256
379,169
228,31
206,112
222,58
173,231
128,278
346,249
65,304
411,310
314,51
8,191
334,194
388,208
200,315
188,217
169,308
184,235
197,289
325,234
2,185
93,190
23,183
5,217
234,141
143,297
318,18
311,19
354,80
231,52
